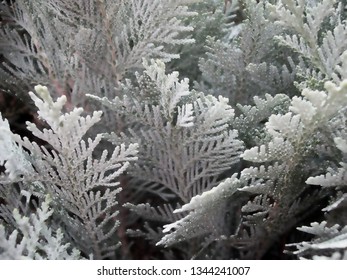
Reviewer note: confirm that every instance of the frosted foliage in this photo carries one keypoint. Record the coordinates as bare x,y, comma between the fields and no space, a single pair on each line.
324,105
304,18
328,242
336,177
331,179
185,116
49,110
341,69
323,48
308,113
294,135
12,155
185,139
67,169
260,179
277,148
171,89
242,68
222,165
83,45
203,210
250,123
34,239
338,100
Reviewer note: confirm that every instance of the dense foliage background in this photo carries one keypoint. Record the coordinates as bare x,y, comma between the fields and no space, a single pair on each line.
184,129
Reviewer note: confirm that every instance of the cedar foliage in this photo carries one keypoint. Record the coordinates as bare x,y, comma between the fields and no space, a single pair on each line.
184,129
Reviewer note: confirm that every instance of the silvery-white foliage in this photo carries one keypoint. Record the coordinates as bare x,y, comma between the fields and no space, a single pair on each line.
33,239
274,183
83,188
228,170
242,68
322,47
184,136
203,212
330,242
307,114
250,123
66,42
